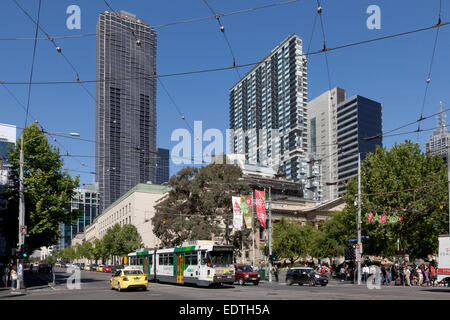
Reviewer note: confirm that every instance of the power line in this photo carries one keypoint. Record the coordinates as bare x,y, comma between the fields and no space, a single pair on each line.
32,62
223,68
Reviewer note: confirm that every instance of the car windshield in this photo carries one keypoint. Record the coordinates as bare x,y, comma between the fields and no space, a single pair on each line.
311,272
244,269
128,272
220,258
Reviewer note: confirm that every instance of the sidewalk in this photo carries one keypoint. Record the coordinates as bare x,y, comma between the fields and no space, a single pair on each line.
32,280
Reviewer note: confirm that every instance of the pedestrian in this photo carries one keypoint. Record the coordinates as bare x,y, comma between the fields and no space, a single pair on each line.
275,271
427,276
13,278
5,275
432,274
365,272
342,273
408,276
420,276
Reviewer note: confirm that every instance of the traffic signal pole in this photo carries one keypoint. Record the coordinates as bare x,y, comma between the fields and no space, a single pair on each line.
21,239
359,218
270,234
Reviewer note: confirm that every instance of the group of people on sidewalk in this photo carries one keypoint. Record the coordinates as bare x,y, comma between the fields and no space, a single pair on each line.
9,275
400,275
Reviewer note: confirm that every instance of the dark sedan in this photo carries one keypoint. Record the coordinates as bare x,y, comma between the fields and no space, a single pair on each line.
305,276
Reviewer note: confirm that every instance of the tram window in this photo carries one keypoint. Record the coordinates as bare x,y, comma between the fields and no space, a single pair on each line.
194,259
166,259
203,257
161,260
170,259
150,259
187,258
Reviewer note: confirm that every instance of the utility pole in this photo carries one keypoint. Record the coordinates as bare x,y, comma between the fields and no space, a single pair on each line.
448,179
270,234
253,229
359,218
21,239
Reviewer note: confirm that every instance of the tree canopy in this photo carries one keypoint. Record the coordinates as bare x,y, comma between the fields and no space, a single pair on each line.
199,204
48,191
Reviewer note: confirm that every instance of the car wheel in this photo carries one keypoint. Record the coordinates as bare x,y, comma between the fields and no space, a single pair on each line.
289,282
300,284
118,287
256,283
112,288
241,281
312,282
323,285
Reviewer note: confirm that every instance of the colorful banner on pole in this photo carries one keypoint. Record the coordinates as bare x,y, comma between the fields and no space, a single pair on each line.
237,214
246,210
261,207
383,218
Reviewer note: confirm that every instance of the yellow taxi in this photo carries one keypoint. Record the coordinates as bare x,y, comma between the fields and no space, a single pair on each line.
100,268
87,268
129,278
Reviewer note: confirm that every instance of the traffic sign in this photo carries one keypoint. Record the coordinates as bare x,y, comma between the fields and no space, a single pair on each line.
23,230
358,257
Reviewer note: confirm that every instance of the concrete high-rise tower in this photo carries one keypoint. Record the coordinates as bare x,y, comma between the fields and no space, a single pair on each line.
126,104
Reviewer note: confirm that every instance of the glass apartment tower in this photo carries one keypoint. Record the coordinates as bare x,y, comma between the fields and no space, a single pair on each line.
268,112
126,104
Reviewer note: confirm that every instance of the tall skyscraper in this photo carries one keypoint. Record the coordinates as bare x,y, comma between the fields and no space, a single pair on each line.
322,121
357,118
337,128
440,139
126,104
268,112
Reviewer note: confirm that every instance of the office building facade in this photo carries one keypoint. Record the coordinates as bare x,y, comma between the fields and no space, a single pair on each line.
268,112
357,119
322,124
86,202
126,104
162,166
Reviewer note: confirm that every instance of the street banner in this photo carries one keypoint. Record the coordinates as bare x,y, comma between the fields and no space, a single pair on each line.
246,209
237,214
261,207
383,218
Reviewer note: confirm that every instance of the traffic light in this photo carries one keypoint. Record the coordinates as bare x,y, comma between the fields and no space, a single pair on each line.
273,256
350,253
266,251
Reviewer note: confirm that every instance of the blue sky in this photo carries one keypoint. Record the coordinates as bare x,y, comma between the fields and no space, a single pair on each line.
391,71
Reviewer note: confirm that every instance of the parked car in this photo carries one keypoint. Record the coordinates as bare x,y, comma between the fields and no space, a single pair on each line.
93,267
87,267
244,273
100,268
128,278
107,269
305,276
116,268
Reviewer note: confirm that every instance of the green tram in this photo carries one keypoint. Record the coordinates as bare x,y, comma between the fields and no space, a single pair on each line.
201,262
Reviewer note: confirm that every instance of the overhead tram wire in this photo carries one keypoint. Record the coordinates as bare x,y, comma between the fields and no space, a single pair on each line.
58,49
428,80
226,68
222,29
166,24
319,12
32,65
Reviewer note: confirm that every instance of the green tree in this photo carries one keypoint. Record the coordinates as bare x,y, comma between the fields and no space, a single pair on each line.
292,240
48,191
423,179
98,250
87,250
110,241
199,205
128,239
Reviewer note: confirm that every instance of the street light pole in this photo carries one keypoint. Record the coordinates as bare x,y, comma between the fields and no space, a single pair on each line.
22,227
448,179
